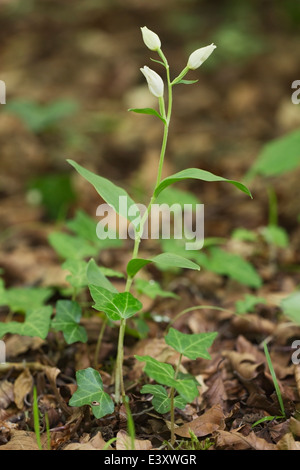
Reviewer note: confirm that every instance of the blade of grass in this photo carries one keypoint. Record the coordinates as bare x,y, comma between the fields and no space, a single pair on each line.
276,385
36,419
130,424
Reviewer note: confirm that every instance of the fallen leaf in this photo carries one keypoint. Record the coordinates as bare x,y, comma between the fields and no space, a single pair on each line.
297,378
288,443
124,442
23,440
22,387
236,441
207,423
96,443
6,393
250,324
295,427
244,364
16,345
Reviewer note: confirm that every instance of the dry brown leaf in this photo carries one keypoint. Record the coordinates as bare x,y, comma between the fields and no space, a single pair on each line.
96,443
249,324
23,440
22,387
6,393
236,441
295,427
124,442
288,443
209,422
244,364
216,392
16,345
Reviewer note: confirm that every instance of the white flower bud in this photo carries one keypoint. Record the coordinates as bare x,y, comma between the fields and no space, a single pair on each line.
151,39
155,82
199,56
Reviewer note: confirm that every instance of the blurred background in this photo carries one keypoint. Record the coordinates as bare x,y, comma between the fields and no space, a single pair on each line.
71,70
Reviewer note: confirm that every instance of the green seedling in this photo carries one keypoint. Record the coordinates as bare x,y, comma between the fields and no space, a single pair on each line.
121,306
248,304
277,389
180,390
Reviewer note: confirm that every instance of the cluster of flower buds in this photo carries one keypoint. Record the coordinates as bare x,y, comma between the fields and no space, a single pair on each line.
155,82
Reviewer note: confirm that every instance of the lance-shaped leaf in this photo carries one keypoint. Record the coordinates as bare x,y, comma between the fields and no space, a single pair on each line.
90,392
67,318
162,373
151,111
96,277
161,401
191,345
170,260
196,173
115,306
37,323
111,193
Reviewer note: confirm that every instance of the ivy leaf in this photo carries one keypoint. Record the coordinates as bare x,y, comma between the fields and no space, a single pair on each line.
187,389
70,247
111,193
158,371
37,323
22,299
160,401
196,173
77,268
97,278
276,236
152,289
229,264
191,345
90,392
86,227
68,315
148,111
170,260
115,306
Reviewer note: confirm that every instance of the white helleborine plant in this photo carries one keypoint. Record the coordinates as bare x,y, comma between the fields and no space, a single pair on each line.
155,82
151,39
199,56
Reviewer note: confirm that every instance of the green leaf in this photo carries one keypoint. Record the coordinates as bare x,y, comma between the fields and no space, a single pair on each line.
111,193
67,318
170,260
152,289
158,61
22,299
231,265
196,173
275,235
151,111
187,389
70,247
191,345
158,371
96,277
177,196
248,304
77,268
111,272
244,235
85,227
160,401
37,323
291,307
278,156
115,306
90,392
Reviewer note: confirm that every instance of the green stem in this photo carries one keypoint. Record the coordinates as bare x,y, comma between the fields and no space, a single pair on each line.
273,209
99,342
119,384
172,396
